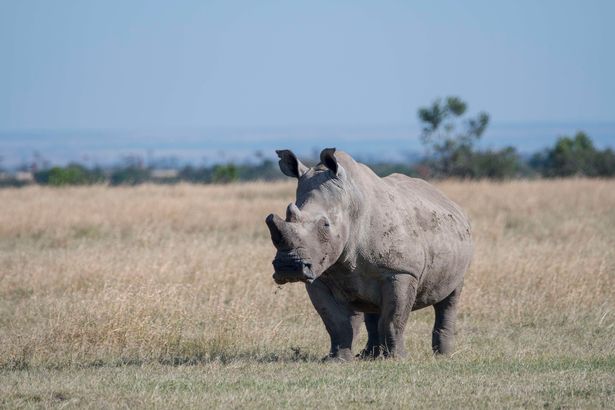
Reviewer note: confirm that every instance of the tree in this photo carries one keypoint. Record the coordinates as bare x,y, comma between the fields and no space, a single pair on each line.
72,174
605,163
574,156
130,175
449,138
223,174
496,164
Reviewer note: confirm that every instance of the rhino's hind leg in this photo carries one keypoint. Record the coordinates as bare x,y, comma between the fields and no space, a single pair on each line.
443,335
342,323
372,349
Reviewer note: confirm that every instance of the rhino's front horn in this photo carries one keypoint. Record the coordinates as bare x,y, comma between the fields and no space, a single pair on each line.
275,225
293,213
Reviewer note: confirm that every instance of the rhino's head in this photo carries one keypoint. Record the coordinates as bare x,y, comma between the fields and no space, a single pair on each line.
313,235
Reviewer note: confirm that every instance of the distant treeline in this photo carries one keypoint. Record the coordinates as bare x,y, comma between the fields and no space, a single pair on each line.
570,156
449,136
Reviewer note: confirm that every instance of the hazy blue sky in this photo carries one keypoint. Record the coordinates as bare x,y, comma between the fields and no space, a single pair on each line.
193,64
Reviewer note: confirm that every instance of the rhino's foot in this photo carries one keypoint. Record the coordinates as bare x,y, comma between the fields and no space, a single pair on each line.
442,343
334,359
399,353
369,353
344,355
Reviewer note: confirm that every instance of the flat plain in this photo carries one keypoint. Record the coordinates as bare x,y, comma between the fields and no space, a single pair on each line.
162,297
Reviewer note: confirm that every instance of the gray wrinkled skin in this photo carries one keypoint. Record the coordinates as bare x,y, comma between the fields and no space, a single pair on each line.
371,250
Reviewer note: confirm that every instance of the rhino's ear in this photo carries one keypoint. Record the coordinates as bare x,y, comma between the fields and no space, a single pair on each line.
327,157
289,164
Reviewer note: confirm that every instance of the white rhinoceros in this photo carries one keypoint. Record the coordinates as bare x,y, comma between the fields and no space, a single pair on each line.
371,248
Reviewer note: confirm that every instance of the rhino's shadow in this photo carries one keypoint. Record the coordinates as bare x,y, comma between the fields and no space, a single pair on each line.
295,355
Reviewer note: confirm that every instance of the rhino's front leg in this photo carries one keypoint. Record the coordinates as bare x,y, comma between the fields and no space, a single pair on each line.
341,321
398,295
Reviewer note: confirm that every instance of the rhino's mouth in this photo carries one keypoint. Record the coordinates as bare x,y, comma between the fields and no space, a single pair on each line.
289,268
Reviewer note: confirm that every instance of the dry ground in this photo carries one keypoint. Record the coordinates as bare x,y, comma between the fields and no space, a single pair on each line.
161,296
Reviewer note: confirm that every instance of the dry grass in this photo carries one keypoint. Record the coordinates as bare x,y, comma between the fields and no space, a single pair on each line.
119,290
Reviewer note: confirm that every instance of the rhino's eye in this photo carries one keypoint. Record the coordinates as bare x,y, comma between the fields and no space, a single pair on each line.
324,222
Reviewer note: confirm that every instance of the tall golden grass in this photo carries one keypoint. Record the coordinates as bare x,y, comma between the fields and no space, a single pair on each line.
182,274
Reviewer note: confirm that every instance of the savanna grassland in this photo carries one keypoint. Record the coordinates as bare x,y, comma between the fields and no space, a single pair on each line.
161,296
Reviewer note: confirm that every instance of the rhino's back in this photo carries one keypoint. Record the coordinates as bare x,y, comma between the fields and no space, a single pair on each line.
419,190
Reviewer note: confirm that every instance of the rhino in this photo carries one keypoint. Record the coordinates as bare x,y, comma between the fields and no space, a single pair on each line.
371,249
